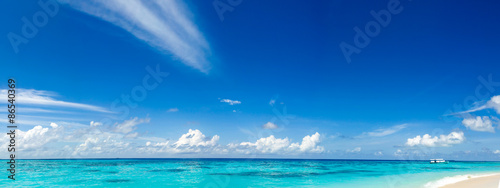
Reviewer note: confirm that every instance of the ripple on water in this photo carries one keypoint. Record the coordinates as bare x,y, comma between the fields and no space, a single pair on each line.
205,167
167,170
445,168
322,168
280,174
117,180
91,170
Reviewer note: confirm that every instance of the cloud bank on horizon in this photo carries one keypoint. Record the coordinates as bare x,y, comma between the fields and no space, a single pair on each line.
97,139
166,26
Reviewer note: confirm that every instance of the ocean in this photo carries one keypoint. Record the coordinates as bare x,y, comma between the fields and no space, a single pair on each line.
212,173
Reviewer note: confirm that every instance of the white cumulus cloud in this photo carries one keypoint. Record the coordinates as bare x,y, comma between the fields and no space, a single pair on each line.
195,138
105,143
378,153
273,145
37,136
96,140
269,144
192,141
95,124
309,144
495,103
230,102
483,124
441,141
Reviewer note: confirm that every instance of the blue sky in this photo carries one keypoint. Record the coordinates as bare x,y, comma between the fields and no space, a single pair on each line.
281,62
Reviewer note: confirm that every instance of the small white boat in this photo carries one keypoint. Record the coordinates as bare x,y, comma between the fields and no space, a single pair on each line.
434,161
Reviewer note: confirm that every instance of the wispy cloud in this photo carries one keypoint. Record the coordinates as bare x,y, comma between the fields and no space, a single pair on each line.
173,110
269,125
493,103
272,101
39,110
355,150
129,125
478,123
230,102
165,25
384,131
46,98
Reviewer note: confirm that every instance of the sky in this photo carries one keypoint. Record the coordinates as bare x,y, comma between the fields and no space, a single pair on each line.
336,79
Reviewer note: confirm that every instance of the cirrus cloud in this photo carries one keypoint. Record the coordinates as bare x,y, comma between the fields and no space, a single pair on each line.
166,26
34,97
173,110
385,131
493,103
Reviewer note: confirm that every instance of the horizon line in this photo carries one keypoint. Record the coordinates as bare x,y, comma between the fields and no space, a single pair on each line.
239,158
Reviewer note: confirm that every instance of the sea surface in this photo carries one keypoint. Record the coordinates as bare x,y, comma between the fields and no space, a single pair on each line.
211,173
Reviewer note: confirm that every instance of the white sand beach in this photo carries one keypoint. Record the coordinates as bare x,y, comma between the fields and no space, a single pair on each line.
492,181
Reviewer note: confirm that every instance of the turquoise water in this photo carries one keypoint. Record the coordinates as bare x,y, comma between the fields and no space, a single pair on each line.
236,173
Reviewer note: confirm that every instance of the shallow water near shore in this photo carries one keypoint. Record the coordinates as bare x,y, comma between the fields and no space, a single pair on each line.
237,173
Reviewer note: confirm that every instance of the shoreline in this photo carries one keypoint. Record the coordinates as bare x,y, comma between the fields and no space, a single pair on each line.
491,180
